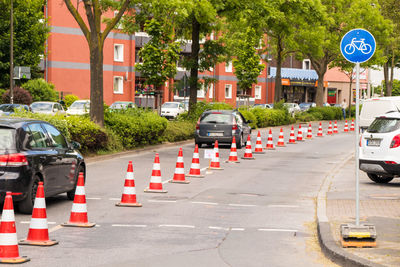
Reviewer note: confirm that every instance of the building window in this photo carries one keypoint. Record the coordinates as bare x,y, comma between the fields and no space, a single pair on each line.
211,91
228,90
200,92
118,85
257,92
119,52
306,64
228,66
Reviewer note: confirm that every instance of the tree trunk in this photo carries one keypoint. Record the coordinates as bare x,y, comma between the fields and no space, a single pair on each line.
194,70
319,96
278,78
390,87
386,76
96,82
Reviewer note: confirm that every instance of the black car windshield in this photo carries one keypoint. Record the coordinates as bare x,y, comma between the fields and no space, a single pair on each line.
384,125
216,117
6,138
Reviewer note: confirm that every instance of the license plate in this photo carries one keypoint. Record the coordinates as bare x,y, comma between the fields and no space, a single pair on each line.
373,142
215,134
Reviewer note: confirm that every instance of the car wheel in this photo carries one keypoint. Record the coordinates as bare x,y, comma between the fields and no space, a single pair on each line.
26,205
239,143
380,179
71,193
199,144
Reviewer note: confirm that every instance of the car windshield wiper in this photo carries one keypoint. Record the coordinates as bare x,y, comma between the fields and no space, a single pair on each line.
211,121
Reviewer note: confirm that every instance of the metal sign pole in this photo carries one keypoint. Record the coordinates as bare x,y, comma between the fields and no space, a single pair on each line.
357,136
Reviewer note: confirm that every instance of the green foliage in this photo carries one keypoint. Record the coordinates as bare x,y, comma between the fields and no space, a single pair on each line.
326,113
40,90
2,91
249,116
69,99
306,117
178,131
200,107
271,117
21,96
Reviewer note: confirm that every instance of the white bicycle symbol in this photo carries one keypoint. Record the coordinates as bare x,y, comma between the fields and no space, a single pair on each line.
359,45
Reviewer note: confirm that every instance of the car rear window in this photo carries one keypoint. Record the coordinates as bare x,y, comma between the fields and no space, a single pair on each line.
217,118
7,140
384,125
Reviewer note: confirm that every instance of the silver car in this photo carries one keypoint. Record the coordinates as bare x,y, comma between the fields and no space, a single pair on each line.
45,107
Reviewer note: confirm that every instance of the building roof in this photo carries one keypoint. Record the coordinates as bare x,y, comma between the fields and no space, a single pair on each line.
295,74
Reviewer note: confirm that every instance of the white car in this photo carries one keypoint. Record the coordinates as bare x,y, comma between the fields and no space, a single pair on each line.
171,110
380,148
293,108
376,106
45,107
79,107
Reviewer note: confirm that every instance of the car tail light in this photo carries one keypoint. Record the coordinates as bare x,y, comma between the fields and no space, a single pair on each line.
395,142
360,140
390,162
13,160
198,126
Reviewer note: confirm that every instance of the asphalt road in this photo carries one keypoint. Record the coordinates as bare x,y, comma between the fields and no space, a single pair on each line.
255,213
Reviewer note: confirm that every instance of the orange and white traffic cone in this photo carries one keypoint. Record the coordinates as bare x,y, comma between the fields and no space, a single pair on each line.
179,175
79,217
258,148
38,234
195,167
309,131
9,252
281,140
128,198
320,134
352,126
346,127
330,129
292,140
270,142
300,134
233,155
155,185
247,153
215,165
335,130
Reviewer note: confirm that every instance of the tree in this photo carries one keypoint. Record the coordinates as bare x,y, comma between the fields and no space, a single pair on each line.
40,90
21,96
30,34
95,37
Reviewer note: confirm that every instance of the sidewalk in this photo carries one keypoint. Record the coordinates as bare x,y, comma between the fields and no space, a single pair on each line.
379,204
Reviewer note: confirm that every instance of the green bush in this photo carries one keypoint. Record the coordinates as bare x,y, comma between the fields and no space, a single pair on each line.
21,96
271,117
40,90
306,117
248,115
178,131
327,113
69,99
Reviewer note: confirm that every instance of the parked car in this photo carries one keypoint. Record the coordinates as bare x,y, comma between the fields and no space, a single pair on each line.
376,106
121,105
293,108
33,151
7,109
186,103
307,105
380,148
171,110
326,104
262,106
47,108
79,107
222,125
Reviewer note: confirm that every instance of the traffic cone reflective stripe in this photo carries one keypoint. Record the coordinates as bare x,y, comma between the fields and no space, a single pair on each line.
195,167
330,129
179,175
247,153
335,129
38,234
292,140
346,127
270,142
233,154
281,140
258,148
352,126
309,132
128,198
9,252
215,165
320,134
79,217
155,185
300,134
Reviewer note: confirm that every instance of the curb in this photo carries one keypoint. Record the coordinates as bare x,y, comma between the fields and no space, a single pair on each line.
328,245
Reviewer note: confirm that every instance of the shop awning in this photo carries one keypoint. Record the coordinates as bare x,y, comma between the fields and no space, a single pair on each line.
294,74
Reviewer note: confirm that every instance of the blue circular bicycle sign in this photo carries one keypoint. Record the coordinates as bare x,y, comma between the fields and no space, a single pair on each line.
358,45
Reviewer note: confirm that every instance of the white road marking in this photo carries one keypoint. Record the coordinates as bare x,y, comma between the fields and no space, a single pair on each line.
55,228
237,229
282,206
203,169
129,225
114,199
241,205
25,222
205,203
177,225
93,198
166,181
162,201
277,230
218,228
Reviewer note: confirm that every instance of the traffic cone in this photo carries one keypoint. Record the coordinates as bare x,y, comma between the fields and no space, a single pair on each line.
215,160
9,252
270,142
352,126
335,130
330,129
195,167
292,140
300,134
258,149
78,217
38,234
320,134
281,140
346,127
309,131
155,185
233,155
128,198
247,153
179,175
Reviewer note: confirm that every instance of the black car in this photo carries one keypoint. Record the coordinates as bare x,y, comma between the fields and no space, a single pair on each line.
33,151
222,125
8,109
